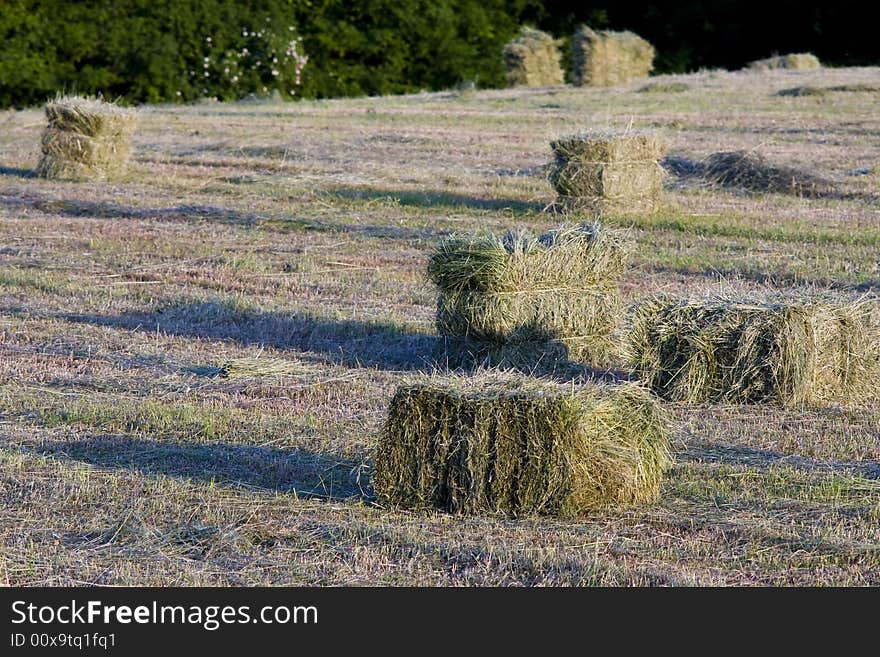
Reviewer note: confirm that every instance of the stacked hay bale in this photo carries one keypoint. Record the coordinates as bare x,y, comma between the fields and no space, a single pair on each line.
803,60
530,303
609,171
514,445
606,58
86,139
532,60
793,351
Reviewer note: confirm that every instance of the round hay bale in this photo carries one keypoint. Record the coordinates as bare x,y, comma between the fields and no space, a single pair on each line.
808,350
502,443
605,58
803,60
533,60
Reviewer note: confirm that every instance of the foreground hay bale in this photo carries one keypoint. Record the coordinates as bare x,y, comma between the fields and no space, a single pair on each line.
529,303
799,351
606,58
86,139
533,60
751,171
514,445
802,60
608,171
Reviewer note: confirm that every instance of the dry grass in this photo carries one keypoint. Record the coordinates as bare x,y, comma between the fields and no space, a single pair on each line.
802,61
751,171
509,444
126,459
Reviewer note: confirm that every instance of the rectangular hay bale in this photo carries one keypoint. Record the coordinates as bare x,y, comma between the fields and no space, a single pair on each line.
532,59
86,139
791,351
510,444
605,58
521,300
609,171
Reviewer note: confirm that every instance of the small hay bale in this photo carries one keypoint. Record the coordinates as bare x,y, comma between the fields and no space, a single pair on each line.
86,139
816,92
501,443
792,351
606,58
528,302
609,171
664,88
533,60
803,60
750,171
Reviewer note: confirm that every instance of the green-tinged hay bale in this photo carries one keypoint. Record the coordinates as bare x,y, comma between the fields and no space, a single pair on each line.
86,139
605,58
750,171
664,88
262,367
802,60
521,299
501,443
608,171
792,351
816,92
533,60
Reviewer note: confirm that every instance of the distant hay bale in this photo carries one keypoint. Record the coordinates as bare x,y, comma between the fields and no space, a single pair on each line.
802,60
86,139
533,60
817,92
750,171
529,302
609,170
516,445
663,88
792,351
606,58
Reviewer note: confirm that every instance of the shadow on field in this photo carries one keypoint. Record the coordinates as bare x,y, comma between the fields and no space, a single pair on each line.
304,473
434,199
16,172
350,342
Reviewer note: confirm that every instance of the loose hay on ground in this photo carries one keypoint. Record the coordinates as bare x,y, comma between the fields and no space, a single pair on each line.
86,139
663,88
529,302
533,60
509,444
608,171
794,351
802,60
606,58
750,171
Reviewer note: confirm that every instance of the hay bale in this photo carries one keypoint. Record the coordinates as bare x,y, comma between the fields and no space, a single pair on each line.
793,351
606,58
516,445
528,302
86,139
608,171
532,60
664,88
750,171
816,92
804,60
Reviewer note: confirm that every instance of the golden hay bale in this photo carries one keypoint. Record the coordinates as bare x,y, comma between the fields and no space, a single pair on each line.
86,139
510,444
803,60
751,171
609,170
793,351
533,60
606,58
523,302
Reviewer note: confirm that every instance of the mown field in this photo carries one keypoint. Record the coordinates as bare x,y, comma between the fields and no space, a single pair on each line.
300,231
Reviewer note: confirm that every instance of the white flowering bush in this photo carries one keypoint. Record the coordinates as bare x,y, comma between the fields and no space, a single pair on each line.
263,60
